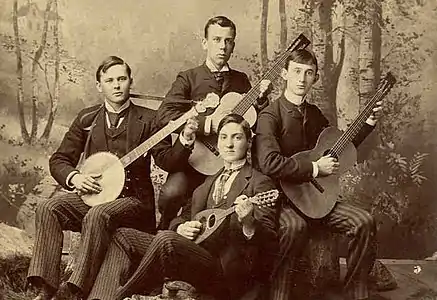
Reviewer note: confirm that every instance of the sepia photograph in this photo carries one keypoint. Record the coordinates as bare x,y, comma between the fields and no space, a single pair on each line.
218,150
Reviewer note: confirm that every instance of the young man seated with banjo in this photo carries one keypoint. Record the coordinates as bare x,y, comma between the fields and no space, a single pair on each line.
220,253
112,133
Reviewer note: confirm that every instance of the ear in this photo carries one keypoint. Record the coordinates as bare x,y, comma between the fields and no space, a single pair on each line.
284,73
204,44
99,86
316,78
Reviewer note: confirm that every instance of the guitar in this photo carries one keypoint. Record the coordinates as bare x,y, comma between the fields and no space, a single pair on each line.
205,156
111,167
317,197
213,218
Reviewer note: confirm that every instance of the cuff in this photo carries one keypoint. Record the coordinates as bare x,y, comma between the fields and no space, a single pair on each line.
186,143
68,180
371,122
207,128
315,169
248,232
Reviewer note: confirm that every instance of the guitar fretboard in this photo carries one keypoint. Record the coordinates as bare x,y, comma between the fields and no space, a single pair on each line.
358,123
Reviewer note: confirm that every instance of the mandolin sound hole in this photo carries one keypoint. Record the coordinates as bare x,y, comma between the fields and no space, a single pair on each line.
211,221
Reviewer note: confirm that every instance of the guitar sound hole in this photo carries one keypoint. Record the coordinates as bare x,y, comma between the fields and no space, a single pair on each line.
211,221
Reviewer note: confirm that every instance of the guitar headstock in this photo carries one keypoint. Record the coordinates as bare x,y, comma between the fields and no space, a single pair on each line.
212,100
299,43
386,83
264,199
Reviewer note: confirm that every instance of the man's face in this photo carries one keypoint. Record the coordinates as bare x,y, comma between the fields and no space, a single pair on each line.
219,44
115,85
232,142
300,77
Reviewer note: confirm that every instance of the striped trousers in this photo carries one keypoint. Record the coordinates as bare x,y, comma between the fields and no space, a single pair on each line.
166,255
96,224
357,224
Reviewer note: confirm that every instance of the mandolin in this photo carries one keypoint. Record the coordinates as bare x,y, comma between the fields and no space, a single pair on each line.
111,168
213,218
317,197
205,157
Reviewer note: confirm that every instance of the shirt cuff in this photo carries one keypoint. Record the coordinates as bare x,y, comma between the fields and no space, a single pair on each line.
315,169
248,232
371,122
186,143
208,122
68,180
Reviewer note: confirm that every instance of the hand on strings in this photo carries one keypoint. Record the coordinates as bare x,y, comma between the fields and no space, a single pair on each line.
265,86
244,209
190,129
376,114
189,229
86,183
327,165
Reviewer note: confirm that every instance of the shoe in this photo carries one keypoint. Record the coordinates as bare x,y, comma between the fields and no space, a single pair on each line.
45,292
68,291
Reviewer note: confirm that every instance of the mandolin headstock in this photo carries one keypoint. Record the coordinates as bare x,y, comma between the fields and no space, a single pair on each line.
265,199
212,100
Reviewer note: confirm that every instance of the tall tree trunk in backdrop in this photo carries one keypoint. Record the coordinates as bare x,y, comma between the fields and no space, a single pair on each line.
324,92
34,78
348,101
263,32
53,107
283,20
369,62
19,72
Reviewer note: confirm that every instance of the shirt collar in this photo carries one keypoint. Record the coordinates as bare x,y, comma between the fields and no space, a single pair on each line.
236,165
290,99
213,68
123,107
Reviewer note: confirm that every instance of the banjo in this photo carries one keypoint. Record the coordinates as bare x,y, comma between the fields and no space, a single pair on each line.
212,219
111,168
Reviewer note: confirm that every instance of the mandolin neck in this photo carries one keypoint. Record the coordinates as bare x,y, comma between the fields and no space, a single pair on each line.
250,98
155,139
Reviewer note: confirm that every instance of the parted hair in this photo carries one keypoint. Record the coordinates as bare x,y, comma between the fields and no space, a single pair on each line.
301,56
236,118
109,62
221,21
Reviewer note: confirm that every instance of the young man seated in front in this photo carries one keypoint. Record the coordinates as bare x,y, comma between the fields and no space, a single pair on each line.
225,266
290,125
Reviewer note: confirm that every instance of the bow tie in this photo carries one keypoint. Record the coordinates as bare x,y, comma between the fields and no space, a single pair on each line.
219,75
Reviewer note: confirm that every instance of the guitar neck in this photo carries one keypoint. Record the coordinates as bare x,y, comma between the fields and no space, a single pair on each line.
155,139
357,124
252,95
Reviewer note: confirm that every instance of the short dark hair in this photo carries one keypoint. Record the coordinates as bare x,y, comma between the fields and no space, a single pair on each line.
236,118
301,56
221,21
109,62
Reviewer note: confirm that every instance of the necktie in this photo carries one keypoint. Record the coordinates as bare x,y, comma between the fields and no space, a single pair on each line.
219,77
115,117
220,187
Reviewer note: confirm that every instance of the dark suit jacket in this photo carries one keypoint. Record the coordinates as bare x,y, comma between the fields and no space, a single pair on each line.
141,125
251,258
193,85
283,131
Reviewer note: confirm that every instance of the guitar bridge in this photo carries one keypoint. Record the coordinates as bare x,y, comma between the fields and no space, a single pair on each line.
317,185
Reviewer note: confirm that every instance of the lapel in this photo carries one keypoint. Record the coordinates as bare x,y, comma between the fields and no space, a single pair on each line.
135,127
98,136
200,197
207,77
227,81
239,184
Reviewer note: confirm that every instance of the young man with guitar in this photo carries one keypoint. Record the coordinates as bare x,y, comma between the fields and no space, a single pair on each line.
224,262
214,75
113,128
285,128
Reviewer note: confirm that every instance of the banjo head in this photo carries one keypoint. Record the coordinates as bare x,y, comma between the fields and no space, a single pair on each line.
111,180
